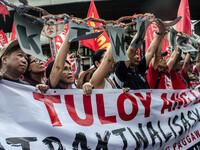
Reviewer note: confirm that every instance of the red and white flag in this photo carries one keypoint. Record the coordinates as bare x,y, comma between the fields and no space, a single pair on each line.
150,36
4,11
184,25
3,38
13,34
101,42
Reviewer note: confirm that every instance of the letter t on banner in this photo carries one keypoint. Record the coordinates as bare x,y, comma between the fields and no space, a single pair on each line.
101,42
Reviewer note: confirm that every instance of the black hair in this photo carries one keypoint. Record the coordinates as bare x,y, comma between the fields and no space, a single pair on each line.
97,56
27,72
50,66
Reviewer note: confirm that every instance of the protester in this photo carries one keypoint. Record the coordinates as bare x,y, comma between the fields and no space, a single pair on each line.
59,72
101,79
165,75
84,77
178,82
191,78
132,72
13,62
35,72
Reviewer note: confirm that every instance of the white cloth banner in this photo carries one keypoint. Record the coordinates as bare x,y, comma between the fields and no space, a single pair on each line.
106,120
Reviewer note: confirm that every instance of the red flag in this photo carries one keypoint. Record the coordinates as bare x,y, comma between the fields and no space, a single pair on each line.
101,42
4,11
184,25
150,36
13,34
3,38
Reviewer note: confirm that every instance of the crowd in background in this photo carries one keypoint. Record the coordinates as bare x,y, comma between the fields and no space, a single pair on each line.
152,71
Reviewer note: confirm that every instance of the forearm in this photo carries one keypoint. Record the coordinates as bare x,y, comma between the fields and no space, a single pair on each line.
103,70
155,47
59,63
62,54
173,59
157,57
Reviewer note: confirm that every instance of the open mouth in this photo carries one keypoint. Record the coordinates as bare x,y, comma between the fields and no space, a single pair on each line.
70,77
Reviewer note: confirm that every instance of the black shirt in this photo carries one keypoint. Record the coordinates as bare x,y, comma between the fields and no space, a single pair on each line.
17,81
132,79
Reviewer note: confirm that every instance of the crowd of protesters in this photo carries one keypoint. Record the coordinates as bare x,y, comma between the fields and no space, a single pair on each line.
153,71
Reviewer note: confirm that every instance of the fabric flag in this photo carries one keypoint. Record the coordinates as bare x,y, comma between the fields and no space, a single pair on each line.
13,34
103,41
184,25
3,38
150,36
4,11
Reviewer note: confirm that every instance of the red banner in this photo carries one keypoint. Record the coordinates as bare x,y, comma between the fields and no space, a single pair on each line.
3,38
13,34
184,25
103,41
4,11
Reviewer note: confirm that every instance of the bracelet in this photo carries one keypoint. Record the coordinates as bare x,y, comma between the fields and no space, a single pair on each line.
158,33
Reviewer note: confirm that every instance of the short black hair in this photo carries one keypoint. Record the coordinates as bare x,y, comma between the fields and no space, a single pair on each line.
27,72
50,66
97,56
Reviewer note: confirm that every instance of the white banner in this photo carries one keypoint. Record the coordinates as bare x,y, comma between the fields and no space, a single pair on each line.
106,120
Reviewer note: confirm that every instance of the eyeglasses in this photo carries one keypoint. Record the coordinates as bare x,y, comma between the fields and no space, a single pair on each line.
37,61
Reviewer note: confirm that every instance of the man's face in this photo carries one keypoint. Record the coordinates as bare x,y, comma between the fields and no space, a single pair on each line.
162,62
190,67
50,30
178,66
16,62
67,76
135,59
36,65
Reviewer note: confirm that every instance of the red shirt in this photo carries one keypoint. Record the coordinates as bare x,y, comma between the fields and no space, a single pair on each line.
177,81
191,83
152,77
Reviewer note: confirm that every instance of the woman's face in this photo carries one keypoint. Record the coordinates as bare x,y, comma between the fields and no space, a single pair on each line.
36,65
67,75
